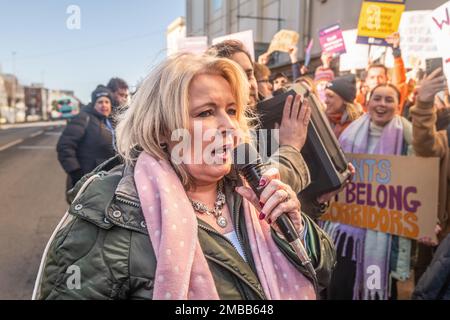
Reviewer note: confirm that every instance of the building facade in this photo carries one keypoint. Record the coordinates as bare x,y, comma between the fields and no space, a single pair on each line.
215,18
175,31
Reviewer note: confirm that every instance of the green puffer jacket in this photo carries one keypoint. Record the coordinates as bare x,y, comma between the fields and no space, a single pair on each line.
105,242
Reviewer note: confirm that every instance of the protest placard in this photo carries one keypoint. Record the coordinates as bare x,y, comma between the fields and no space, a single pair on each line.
378,19
357,55
440,27
416,40
392,194
331,40
283,40
195,45
246,37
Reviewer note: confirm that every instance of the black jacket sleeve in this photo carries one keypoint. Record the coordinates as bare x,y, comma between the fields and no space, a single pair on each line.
69,141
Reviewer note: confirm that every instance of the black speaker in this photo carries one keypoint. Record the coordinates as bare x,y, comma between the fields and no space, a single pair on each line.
325,159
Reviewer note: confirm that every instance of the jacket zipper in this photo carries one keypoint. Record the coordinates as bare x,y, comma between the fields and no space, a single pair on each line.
236,214
234,272
223,237
221,263
128,202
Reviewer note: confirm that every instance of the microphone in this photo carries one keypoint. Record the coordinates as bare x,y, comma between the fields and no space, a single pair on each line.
249,164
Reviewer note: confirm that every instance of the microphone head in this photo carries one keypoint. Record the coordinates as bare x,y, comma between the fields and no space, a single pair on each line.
245,154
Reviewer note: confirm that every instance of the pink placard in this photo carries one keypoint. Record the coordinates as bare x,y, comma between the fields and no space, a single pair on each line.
331,40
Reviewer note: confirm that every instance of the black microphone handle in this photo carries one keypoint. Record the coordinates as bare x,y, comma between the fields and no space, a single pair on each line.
253,174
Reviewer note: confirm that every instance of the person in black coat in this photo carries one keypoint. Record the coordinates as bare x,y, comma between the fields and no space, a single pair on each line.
88,139
435,282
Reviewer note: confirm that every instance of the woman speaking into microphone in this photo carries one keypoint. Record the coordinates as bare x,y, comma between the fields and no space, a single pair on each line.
146,225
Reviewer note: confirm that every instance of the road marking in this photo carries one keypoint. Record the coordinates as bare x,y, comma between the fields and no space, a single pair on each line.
32,124
53,133
36,148
11,144
36,134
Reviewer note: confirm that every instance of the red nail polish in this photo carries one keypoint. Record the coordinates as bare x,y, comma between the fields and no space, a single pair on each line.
262,216
269,221
262,182
261,204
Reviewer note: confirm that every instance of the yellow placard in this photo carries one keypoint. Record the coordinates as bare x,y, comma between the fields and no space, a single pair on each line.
379,19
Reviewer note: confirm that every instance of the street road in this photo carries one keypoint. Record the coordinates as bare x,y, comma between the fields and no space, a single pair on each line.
31,202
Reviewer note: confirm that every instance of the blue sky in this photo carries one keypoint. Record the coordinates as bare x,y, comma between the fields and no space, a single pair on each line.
116,38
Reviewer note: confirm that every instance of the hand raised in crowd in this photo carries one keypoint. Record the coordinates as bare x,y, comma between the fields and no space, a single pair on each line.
326,59
328,196
304,70
277,198
264,58
428,241
293,51
294,124
394,39
431,85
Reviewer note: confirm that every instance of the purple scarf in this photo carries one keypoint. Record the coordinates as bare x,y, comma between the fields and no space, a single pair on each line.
371,249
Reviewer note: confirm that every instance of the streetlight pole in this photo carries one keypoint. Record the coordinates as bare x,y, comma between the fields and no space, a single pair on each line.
14,85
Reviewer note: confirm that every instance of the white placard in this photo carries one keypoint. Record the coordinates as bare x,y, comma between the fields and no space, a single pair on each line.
440,28
416,39
195,45
357,56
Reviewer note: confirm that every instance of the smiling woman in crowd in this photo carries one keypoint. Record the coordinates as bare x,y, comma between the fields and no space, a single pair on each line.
380,131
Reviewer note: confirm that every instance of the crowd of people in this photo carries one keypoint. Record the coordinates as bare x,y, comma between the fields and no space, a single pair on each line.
140,226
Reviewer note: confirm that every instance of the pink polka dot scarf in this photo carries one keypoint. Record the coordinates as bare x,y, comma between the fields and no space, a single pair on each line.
182,271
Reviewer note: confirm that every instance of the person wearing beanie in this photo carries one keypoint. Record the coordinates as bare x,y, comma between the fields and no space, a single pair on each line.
341,110
102,100
88,139
322,77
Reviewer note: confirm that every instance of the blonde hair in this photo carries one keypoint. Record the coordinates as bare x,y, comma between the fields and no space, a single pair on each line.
161,105
354,110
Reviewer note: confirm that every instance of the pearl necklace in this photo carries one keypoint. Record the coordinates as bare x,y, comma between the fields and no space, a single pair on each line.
218,206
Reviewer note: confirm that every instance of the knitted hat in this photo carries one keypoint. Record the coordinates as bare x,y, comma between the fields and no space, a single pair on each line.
345,87
323,74
101,91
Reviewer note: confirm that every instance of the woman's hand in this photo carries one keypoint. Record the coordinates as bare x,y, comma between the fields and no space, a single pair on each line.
428,241
277,198
304,70
264,58
328,196
294,124
293,51
326,59
394,39
431,85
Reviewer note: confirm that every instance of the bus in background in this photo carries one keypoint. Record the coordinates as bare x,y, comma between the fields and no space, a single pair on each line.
65,108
